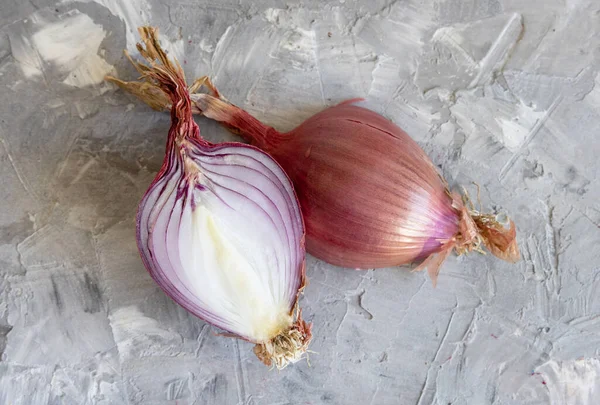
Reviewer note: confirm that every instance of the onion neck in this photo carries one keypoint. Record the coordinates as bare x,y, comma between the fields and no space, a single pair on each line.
183,126
164,86
238,121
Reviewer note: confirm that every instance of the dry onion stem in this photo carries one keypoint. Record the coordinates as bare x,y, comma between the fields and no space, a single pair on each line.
370,196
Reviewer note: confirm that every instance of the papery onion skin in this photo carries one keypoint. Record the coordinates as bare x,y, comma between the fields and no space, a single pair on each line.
362,209
243,189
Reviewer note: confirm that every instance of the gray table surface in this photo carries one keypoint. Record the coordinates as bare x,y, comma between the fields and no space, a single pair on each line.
501,92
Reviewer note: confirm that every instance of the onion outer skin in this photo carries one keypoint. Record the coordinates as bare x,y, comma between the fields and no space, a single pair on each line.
362,209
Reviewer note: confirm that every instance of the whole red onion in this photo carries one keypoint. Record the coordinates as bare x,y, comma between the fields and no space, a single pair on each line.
369,194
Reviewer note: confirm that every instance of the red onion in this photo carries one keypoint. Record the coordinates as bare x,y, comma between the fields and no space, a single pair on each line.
220,229
369,194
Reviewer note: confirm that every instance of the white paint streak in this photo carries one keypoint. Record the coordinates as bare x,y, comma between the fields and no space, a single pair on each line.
68,44
516,126
29,60
134,14
498,54
20,176
133,330
573,382
468,55
532,133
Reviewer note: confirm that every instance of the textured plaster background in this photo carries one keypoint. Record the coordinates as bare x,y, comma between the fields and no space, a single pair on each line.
502,92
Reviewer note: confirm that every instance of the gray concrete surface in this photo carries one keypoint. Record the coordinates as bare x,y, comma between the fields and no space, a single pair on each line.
502,92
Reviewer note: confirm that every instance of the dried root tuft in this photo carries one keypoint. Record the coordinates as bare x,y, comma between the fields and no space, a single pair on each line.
475,231
287,347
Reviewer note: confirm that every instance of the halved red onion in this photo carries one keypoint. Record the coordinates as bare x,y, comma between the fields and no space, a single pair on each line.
220,229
